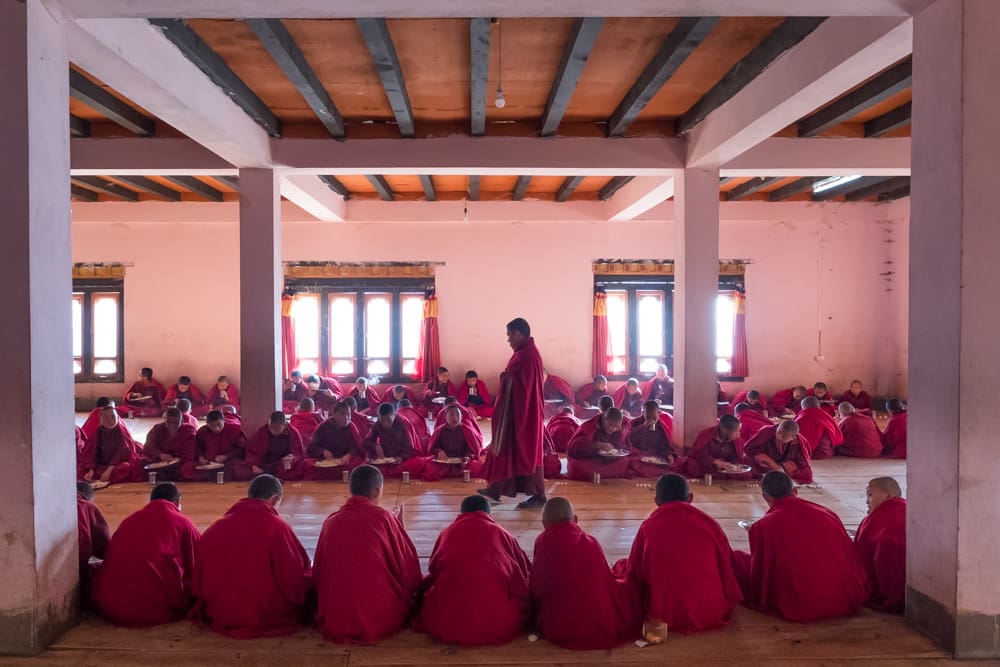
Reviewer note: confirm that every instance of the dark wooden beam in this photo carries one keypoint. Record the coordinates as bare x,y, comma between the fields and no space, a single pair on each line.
107,187
78,127
879,188
567,187
857,184
473,188
200,188
889,121
753,185
613,186
82,193
427,182
479,43
86,91
791,31
334,184
793,188
676,48
895,194
216,69
521,187
879,89
231,181
279,43
144,184
724,179
381,187
581,40
376,35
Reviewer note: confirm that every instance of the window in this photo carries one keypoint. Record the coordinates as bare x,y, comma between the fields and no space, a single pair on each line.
98,350
725,314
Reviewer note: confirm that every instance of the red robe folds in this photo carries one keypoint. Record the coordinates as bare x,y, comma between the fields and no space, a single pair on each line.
861,437
418,423
112,448
435,389
229,444
894,437
305,423
630,404
660,390
589,395
323,400
192,394
182,444
148,407
215,401
463,441
339,442
94,533
881,544
479,401
556,387
251,576
784,401
93,422
369,402
644,442
795,453
760,407
579,603
365,572
362,423
146,575
862,401
802,565
821,431
583,459
397,441
707,447
266,451
467,416
291,394
475,564
561,429
692,588
752,421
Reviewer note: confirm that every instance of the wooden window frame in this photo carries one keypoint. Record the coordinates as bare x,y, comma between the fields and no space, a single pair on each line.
88,287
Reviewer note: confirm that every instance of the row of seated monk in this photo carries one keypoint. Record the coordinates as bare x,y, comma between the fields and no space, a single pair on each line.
248,574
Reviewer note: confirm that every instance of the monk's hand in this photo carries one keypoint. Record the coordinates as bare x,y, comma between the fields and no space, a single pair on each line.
399,511
257,470
789,467
221,458
202,460
165,457
106,475
441,455
605,447
89,475
379,452
327,454
719,463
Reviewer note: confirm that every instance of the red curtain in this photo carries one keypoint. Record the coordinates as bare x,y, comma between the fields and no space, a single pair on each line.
289,360
740,365
600,359
429,352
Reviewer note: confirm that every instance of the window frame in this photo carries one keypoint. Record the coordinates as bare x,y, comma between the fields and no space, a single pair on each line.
89,287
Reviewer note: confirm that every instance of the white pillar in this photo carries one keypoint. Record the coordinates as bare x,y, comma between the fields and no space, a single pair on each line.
696,270
953,585
38,535
260,296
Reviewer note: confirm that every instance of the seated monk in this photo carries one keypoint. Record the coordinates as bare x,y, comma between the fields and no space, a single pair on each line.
223,393
251,576
111,455
440,387
881,544
366,573
780,448
693,588
338,441
590,394
651,435
751,421
220,441
826,399
145,579
230,415
788,401
467,414
325,392
276,449
365,396
359,420
172,440
754,400
394,438
475,564
93,420
715,447
293,391
554,388
184,389
562,427
418,422
456,438
551,463
857,396
802,565
894,436
861,435
187,417
93,533
579,603
628,398
602,433
143,397
475,396
397,395
660,387
305,419
818,428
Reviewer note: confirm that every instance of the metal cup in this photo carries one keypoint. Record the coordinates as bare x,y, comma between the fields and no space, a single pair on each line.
708,480
346,476
406,478
466,476
152,478
220,477
597,478
131,415
287,463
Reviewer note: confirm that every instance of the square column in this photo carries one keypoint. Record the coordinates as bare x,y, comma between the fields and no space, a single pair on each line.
953,585
696,270
260,296
38,550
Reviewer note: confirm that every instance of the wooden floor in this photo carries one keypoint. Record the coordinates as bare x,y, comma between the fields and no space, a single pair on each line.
611,511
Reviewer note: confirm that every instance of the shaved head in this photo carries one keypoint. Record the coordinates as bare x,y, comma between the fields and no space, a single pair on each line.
810,402
895,406
776,485
740,408
672,488
85,489
753,395
798,393
265,487
475,503
846,409
730,424
787,431
887,484
307,405
606,403
366,481
557,510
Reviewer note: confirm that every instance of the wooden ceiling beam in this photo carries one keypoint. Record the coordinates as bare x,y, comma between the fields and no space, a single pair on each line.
753,185
793,188
144,184
78,127
105,186
521,187
82,193
473,188
427,183
895,194
479,50
86,91
889,121
315,196
568,186
381,186
879,188
196,186
379,42
334,184
231,181
581,40
879,89
611,187
862,183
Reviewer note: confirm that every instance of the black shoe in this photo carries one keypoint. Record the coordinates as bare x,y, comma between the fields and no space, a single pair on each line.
494,500
532,503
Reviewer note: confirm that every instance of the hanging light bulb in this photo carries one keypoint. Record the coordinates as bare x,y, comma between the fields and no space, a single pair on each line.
500,101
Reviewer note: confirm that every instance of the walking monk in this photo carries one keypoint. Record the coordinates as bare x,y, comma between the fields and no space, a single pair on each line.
881,543
861,435
514,459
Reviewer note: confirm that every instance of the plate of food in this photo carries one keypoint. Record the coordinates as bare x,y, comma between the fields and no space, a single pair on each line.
439,400
388,460
98,484
593,408
613,454
453,460
746,523
160,465
211,465
553,401
655,460
666,408
735,469
326,463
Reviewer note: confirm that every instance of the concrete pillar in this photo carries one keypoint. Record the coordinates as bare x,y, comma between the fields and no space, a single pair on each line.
260,296
953,585
696,270
38,536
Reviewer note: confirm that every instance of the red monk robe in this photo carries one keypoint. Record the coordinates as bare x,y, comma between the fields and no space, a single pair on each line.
333,441
146,576
292,394
478,400
561,429
215,400
556,387
266,451
645,441
227,446
366,574
784,401
323,399
467,416
475,565
589,396
792,457
802,565
881,544
760,407
389,397
111,449
251,575
861,437
362,423
708,447
630,404
861,401
551,463
463,440
821,431
93,422
305,423
398,441
182,444
367,403
145,407
583,459
419,424
94,533
660,390
579,603
690,587
752,421
192,394
894,437
81,446
436,389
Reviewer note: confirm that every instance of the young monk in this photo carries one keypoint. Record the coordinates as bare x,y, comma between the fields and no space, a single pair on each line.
475,396
93,420
802,565
586,452
455,438
417,422
293,391
325,392
365,396
276,449
338,441
751,421
262,591
818,428
93,533
183,389
111,455
467,414
590,394
223,393
230,415
715,448
693,588
475,564
651,435
881,544
561,428
439,387
394,438
857,396
145,579
170,440
862,438
554,387
366,572
822,392
603,613
359,420
780,448
628,398
788,401
143,397
305,419
754,400
894,436
222,442
187,417
660,388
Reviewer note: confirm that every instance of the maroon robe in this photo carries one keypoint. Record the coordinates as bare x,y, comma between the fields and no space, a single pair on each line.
192,394
583,459
741,397
149,407
115,449
630,404
643,443
435,389
418,423
340,442
551,463
229,443
463,441
752,421
367,403
292,394
821,431
894,437
266,451
784,401
861,437
795,452
556,387
589,395
707,447
397,441
660,390
93,530
480,402
363,424
305,423
93,422
215,401
881,544
467,416
181,444
862,401
324,401
561,429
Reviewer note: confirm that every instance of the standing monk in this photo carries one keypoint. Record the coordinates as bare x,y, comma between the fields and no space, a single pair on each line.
881,543
143,397
514,458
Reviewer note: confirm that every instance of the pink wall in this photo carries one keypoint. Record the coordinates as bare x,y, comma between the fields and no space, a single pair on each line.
182,308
